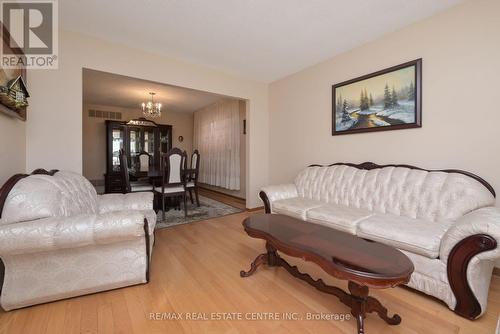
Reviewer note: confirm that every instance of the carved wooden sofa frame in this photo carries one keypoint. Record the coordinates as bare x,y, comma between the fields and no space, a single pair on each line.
11,182
467,305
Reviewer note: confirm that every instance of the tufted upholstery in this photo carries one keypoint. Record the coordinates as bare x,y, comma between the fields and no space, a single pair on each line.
59,239
41,196
424,214
397,190
129,201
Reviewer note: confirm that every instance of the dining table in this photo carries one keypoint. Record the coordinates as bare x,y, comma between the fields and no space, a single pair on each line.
154,177
154,174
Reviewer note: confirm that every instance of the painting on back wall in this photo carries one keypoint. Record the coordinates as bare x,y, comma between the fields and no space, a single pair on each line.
390,99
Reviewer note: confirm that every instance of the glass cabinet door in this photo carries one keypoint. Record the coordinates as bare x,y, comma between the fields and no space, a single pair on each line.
165,144
133,138
117,135
149,142
135,146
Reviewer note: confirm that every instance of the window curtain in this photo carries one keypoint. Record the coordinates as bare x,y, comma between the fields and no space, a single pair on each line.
217,138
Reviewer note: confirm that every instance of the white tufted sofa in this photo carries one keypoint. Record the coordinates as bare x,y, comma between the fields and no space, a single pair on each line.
444,221
59,239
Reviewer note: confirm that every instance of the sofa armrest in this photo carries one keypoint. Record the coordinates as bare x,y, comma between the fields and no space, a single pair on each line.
271,194
130,201
469,249
56,233
485,221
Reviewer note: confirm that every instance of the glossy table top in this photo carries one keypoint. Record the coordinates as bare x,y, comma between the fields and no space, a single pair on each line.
155,172
343,255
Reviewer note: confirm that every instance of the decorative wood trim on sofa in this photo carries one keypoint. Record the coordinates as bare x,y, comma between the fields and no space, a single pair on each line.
265,199
458,261
371,165
4,192
2,275
11,182
460,256
148,255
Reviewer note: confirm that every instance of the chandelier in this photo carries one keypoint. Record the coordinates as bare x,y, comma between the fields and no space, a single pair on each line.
151,108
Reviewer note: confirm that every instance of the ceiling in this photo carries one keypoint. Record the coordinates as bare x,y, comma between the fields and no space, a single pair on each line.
109,89
262,40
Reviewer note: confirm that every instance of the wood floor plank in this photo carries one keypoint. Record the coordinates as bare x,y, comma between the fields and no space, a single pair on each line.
72,316
195,269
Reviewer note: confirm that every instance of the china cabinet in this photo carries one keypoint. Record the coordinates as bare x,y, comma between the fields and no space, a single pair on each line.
134,137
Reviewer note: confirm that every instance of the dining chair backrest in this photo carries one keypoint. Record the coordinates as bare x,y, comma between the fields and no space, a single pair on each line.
124,172
172,167
195,166
195,160
144,161
184,159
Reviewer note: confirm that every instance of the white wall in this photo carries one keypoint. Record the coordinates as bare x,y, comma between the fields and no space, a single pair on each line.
54,128
461,70
12,146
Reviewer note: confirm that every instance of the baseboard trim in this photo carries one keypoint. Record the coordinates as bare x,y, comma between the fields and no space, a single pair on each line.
496,271
255,209
221,193
98,183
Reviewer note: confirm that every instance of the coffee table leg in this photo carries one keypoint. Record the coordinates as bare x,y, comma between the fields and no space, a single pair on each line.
374,305
270,258
358,306
260,259
362,304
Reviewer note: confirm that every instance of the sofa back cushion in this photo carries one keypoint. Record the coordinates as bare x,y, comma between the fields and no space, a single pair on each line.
397,190
42,196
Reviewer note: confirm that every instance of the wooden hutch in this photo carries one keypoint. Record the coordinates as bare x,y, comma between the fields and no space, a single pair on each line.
135,136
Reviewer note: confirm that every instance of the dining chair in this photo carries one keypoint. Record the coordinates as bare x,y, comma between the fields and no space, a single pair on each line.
144,161
173,180
192,177
127,186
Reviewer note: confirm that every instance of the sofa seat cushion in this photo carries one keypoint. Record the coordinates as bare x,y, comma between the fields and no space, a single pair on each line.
296,207
414,235
339,217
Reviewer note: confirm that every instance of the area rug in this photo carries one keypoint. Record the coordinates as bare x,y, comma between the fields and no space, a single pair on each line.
208,209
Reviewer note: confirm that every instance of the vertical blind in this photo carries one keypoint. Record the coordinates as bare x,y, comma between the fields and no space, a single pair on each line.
217,138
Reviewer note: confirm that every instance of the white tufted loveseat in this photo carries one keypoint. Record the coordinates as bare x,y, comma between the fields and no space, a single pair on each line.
59,239
444,221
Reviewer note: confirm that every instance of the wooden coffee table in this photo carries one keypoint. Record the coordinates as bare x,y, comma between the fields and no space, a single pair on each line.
362,262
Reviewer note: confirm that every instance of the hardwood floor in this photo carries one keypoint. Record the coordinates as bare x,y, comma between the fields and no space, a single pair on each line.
230,200
195,269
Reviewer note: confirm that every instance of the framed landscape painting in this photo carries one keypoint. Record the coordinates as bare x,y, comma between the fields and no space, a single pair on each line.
390,99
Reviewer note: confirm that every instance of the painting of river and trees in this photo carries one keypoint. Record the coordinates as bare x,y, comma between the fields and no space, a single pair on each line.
386,100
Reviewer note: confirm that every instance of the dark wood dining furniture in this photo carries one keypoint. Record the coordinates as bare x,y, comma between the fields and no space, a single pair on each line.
173,182
363,263
155,178
192,177
135,137
154,174
127,185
